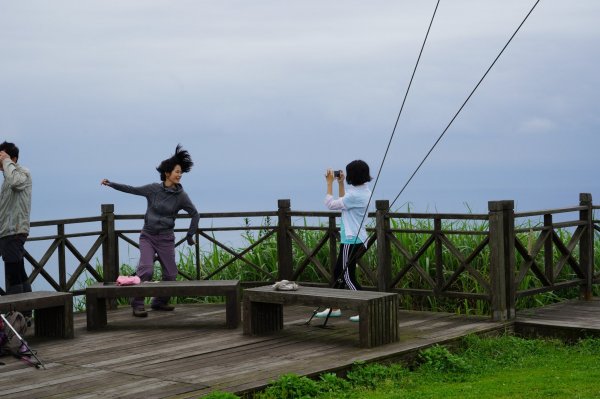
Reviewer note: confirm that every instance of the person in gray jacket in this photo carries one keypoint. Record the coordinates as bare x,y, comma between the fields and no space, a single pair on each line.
157,238
15,209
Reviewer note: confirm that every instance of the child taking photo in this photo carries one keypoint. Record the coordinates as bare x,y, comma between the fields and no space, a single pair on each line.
352,201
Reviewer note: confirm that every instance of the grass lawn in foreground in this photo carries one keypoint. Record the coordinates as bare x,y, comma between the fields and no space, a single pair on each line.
502,367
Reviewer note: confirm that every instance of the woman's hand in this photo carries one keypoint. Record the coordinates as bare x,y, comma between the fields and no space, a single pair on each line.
105,182
329,176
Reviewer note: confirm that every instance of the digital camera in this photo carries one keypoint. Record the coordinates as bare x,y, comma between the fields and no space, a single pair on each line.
337,173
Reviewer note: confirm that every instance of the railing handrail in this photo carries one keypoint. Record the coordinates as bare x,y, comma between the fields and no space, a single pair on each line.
549,211
446,216
56,222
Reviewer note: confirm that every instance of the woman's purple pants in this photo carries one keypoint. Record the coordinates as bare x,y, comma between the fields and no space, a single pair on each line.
163,246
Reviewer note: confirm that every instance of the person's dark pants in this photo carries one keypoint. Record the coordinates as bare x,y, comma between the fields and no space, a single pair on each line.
12,249
163,246
344,275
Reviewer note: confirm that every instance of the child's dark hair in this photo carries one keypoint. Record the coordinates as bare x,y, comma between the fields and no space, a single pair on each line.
357,173
11,149
181,158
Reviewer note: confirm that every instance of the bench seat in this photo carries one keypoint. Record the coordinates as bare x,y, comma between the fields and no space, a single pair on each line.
378,311
53,315
96,295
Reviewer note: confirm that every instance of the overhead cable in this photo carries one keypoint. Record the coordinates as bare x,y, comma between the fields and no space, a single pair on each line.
399,113
464,103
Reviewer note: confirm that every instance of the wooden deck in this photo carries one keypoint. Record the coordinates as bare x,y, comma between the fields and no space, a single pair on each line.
569,320
189,353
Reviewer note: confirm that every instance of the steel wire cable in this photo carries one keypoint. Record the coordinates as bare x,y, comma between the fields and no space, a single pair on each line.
399,114
463,104
451,121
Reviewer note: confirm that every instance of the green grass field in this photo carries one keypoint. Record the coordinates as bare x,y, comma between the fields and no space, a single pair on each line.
502,367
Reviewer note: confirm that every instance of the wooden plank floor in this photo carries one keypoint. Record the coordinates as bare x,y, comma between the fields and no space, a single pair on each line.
188,353
572,319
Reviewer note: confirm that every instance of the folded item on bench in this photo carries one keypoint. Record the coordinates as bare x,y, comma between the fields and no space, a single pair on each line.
285,285
128,280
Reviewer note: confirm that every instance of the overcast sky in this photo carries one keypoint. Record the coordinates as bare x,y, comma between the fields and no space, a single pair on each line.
267,94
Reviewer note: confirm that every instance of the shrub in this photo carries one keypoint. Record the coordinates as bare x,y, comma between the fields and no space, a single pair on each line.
291,386
220,395
376,375
329,382
439,359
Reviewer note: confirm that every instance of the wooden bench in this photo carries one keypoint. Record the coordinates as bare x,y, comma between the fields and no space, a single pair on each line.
53,315
378,311
96,295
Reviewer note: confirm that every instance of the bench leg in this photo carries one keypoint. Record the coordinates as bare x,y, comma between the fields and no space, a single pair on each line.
68,329
378,322
364,327
233,309
393,312
55,321
262,318
95,309
384,321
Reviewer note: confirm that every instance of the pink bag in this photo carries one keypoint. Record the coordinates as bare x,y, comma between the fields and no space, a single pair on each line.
128,280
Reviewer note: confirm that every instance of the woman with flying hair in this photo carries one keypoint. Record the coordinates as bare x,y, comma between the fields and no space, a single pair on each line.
157,238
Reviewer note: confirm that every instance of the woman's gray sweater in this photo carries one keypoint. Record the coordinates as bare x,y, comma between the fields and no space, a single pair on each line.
163,205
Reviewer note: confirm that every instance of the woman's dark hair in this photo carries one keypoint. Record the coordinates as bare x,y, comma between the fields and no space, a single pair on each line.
11,149
357,173
181,158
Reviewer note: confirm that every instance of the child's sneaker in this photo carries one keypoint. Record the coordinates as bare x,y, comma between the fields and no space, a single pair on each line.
355,319
334,313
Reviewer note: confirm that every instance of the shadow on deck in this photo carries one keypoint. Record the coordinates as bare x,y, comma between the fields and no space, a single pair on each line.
188,353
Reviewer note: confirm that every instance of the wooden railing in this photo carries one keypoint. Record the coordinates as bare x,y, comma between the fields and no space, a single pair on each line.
439,265
60,243
111,254
498,266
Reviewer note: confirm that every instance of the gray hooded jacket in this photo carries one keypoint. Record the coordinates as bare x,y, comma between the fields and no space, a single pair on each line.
163,205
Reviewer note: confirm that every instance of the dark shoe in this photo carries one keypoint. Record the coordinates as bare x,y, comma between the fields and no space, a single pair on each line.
140,312
164,307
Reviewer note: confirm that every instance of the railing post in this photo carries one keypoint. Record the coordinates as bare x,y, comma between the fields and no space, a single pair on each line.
586,245
439,266
384,256
110,262
549,249
502,262
332,231
284,243
62,258
198,260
